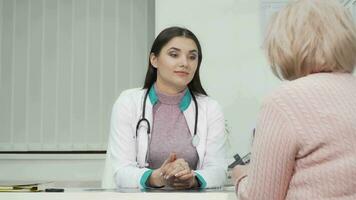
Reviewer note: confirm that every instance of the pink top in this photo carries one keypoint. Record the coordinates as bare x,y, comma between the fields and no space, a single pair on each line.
305,143
170,132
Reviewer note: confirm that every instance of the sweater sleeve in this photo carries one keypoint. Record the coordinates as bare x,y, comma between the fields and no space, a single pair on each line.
273,157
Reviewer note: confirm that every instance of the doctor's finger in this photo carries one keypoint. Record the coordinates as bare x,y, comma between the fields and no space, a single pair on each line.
167,163
174,170
166,169
171,158
186,177
171,171
181,162
183,172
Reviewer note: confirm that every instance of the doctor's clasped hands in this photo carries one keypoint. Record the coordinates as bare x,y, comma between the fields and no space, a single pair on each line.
174,173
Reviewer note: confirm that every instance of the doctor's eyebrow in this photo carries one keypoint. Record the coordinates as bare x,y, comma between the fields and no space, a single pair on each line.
177,49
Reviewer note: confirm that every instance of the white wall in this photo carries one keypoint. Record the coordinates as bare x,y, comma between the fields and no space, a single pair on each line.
234,70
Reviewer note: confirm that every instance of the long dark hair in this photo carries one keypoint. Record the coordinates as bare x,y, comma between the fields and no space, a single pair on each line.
162,39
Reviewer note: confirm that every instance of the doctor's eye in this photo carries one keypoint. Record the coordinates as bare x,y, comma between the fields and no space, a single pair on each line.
193,57
173,54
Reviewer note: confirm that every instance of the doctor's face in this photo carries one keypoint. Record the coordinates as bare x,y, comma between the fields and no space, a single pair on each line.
176,63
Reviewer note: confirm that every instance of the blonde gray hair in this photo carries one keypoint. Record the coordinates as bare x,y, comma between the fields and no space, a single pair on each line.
310,36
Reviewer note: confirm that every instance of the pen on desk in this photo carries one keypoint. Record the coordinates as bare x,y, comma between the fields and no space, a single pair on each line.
54,190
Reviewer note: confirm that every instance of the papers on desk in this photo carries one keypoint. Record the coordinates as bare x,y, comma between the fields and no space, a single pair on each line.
23,187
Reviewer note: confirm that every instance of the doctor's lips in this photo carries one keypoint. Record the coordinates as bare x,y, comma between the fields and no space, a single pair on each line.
181,73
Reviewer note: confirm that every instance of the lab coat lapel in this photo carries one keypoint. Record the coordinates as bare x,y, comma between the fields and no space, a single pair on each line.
189,115
142,136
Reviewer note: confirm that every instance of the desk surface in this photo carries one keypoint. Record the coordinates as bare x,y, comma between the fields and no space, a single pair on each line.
88,194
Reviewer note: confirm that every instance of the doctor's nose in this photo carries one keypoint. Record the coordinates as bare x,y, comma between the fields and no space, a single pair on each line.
184,62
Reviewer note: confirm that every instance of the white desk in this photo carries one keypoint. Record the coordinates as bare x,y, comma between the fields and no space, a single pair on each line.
87,194
117,196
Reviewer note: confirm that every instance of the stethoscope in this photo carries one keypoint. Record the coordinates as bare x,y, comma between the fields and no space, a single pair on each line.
195,139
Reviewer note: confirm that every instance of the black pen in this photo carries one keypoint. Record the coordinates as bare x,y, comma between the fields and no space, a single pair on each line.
54,190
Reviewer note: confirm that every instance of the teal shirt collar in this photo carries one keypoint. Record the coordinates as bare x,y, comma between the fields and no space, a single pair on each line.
184,103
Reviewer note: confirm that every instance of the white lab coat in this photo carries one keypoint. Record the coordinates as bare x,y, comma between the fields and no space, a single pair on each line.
122,149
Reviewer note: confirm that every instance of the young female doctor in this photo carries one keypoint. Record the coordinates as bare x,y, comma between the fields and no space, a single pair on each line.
170,133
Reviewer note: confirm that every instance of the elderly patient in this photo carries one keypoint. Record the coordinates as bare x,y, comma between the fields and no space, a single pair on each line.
304,147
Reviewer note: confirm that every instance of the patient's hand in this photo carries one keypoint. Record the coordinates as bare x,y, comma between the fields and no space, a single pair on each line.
238,172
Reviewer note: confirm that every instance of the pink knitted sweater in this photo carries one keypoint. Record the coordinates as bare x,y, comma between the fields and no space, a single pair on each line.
305,143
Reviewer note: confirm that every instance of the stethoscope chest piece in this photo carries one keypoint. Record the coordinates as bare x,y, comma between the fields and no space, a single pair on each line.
195,140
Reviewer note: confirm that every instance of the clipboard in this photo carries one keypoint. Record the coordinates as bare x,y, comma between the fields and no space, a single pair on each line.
23,187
